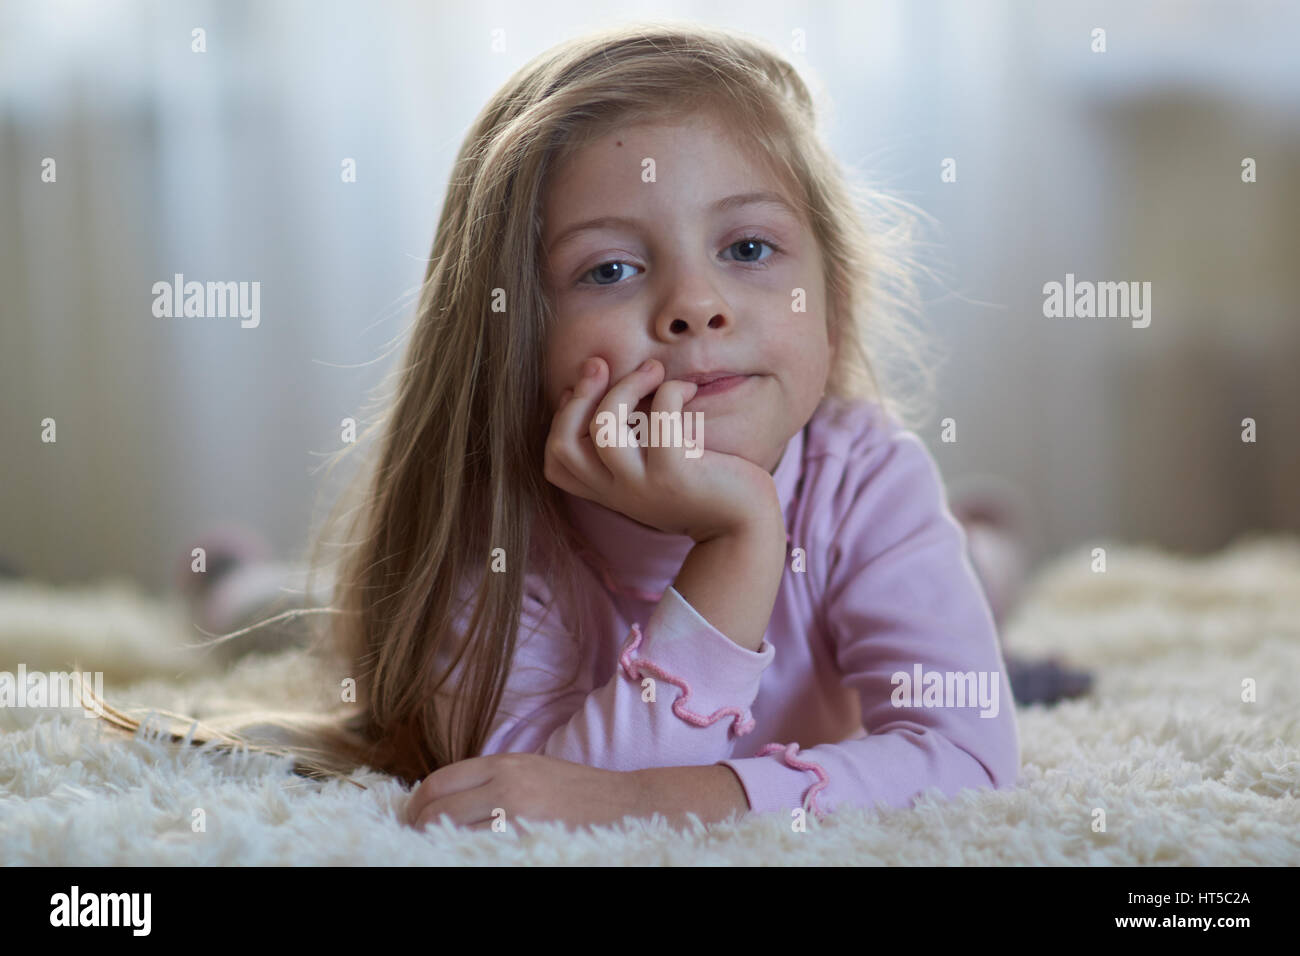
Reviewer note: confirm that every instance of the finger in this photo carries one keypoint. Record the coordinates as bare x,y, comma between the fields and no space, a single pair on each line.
558,454
557,473
459,809
569,442
446,781
669,400
626,462
477,809
554,468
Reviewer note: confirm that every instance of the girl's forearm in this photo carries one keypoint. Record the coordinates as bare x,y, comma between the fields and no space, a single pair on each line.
712,793
732,580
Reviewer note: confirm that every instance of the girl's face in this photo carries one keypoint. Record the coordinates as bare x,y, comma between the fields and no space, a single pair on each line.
698,269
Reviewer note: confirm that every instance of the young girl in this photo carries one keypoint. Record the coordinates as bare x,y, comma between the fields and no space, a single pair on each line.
547,625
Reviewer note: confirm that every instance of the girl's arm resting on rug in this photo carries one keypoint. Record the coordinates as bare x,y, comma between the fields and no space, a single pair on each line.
712,793
914,636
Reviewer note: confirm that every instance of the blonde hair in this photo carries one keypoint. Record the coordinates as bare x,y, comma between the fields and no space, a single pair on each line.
458,467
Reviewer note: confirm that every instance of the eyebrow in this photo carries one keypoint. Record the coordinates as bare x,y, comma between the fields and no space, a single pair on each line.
725,204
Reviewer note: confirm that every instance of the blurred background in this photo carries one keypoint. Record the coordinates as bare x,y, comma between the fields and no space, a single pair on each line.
225,165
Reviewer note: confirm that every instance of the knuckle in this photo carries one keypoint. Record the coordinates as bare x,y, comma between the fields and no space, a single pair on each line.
556,456
509,787
659,479
504,766
515,763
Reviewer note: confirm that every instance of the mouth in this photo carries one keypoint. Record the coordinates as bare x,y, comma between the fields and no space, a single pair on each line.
723,383
708,378
708,384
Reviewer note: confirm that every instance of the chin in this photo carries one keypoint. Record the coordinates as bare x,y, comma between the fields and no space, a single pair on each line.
721,440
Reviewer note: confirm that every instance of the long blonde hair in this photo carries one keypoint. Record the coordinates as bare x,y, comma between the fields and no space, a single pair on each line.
457,470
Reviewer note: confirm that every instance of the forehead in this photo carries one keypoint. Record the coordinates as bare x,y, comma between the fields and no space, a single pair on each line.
695,160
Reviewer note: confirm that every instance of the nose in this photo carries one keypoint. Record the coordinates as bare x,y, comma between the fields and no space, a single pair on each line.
679,327
693,307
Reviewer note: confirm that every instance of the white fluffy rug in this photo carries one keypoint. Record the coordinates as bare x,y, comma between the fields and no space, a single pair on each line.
1186,772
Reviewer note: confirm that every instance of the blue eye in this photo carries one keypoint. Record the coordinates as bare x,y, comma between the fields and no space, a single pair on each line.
600,270
755,242
615,271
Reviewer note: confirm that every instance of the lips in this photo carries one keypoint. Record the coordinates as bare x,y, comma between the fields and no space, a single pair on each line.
705,378
708,383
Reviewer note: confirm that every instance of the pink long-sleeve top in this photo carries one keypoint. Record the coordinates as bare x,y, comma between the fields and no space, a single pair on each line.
879,677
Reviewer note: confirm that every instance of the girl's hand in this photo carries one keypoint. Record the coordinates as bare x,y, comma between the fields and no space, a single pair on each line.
703,497
476,792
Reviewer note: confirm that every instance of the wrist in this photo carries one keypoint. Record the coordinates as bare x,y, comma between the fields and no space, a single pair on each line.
732,581
763,522
710,792
757,547
755,506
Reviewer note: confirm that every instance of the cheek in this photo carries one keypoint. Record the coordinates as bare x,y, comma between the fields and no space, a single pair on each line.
609,333
564,357
798,344
798,335
579,339
555,368
571,337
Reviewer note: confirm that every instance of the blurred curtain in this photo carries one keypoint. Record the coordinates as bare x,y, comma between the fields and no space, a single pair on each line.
225,166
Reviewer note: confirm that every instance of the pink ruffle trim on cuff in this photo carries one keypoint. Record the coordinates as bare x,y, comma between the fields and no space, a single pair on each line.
788,752
741,724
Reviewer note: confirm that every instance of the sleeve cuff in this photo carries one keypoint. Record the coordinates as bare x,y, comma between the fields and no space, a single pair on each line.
771,783
717,677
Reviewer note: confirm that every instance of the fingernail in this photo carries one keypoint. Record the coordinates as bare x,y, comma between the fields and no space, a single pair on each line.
590,368
647,365
565,397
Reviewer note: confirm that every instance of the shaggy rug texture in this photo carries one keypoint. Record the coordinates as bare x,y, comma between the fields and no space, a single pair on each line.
1186,771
